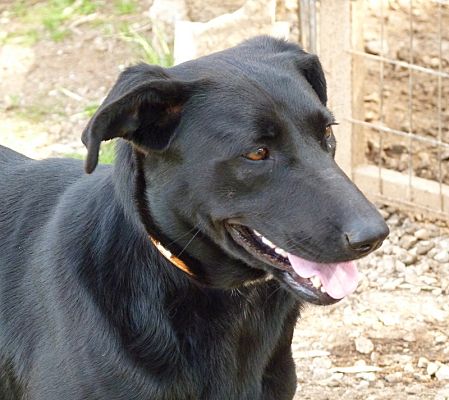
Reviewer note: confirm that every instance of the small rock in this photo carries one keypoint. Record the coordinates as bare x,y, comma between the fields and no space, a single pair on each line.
100,44
394,377
362,385
442,394
443,373
424,247
390,285
415,289
429,280
413,389
440,338
371,116
422,234
385,214
337,376
386,247
444,243
408,258
432,368
394,220
320,374
419,377
388,264
409,368
408,241
400,266
389,319
410,337
403,54
411,277
364,345
442,256
376,47
322,362
423,362
367,376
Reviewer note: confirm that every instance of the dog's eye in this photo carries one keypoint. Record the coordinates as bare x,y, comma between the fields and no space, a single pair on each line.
329,142
261,153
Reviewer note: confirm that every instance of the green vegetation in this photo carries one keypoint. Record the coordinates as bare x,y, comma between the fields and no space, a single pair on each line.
13,101
27,38
90,109
107,152
106,156
38,113
48,18
123,7
157,53
56,19
52,19
107,149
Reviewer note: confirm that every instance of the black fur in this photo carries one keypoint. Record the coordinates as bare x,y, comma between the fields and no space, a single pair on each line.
89,309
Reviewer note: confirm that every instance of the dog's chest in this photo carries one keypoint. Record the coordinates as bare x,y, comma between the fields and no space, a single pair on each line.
227,352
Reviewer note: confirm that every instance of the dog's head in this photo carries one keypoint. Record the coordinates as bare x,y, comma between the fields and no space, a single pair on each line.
237,157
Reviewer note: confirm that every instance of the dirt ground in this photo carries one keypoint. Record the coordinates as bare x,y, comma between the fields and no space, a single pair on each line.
387,341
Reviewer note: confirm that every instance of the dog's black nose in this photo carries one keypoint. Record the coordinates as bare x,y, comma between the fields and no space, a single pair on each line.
367,237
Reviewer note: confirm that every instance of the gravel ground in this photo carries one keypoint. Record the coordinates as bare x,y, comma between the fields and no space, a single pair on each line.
389,340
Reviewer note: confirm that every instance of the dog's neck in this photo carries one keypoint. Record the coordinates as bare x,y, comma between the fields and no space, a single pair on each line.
177,262
133,158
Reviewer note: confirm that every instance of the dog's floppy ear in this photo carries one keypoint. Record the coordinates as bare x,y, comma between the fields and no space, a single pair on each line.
144,107
310,67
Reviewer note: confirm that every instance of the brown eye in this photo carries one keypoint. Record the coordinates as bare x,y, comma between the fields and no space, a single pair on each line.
328,133
261,153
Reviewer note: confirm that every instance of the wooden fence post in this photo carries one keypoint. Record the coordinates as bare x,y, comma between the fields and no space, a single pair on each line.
338,32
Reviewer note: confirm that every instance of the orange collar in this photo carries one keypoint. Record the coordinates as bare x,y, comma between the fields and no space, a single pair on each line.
172,258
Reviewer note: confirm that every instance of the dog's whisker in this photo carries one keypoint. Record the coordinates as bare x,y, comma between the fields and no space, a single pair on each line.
181,236
273,292
190,241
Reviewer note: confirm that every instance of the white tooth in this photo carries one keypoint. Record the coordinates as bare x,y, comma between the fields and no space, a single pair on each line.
256,233
281,252
316,282
269,277
322,289
267,242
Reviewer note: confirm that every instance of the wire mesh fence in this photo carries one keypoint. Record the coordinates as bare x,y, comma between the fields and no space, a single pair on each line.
398,114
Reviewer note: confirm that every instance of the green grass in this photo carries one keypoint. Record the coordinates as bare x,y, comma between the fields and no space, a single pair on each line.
48,18
124,7
13,101
107,149
38,113
160,53
22,38
90,109
106,155
19,8
107,152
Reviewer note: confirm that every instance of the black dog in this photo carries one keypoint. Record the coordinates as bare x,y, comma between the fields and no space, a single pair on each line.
217,152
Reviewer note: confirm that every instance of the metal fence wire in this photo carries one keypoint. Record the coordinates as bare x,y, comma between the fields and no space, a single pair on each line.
398,116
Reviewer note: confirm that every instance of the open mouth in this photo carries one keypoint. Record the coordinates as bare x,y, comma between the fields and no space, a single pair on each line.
314,282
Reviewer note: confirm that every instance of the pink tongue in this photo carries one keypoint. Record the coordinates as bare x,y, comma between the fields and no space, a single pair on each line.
339,279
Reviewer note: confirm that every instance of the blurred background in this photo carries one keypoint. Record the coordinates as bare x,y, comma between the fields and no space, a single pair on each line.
387,66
